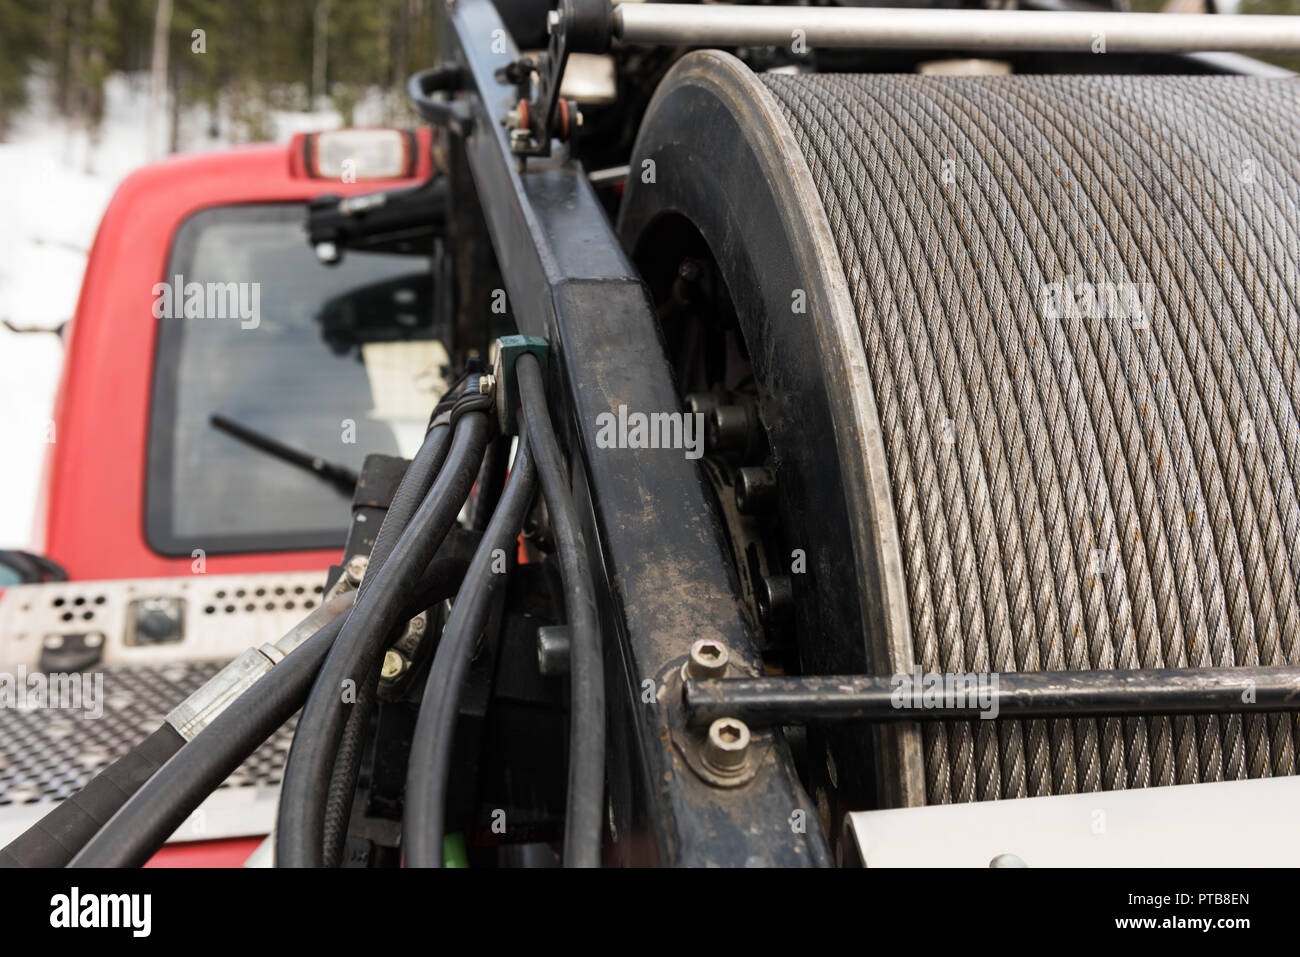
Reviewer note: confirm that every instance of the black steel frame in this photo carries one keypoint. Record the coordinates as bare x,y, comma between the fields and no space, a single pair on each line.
658,550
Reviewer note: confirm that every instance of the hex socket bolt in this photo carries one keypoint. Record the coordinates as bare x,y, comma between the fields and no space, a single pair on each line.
727,745
708,659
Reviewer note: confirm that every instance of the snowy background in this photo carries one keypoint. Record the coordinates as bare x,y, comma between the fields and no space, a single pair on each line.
57,182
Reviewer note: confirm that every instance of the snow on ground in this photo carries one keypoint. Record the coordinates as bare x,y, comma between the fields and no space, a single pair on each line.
55,183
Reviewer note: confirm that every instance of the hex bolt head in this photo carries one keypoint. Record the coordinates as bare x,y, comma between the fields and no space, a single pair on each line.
394,664
702,402
776,602
755,489
355,569
708,659
728,429
553,643
727,746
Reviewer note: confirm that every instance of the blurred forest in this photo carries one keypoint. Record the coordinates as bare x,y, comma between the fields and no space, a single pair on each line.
240,58
249,57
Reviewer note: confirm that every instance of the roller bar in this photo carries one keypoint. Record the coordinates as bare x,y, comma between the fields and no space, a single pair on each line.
1025,694
866,28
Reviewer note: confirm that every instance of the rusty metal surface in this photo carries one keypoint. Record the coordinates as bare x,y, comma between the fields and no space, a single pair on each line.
660,568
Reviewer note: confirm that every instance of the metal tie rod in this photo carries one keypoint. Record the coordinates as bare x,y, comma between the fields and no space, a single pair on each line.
727,25
1024,694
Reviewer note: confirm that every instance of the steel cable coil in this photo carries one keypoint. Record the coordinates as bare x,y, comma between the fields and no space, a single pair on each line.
1078,302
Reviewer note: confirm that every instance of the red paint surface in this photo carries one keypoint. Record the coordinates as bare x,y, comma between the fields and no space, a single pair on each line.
93,496
231,853
92,499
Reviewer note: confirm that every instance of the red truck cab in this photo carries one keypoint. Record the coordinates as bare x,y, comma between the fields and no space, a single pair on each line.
202,297
138,484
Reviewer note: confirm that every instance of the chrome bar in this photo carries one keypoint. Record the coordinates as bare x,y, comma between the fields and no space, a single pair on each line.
728,25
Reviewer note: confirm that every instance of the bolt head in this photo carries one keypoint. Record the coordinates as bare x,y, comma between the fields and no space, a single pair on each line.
755,489
727,746
553,643
394,664
355,569
708,659
702,403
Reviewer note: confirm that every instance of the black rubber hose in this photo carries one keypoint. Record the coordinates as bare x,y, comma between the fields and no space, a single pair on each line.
59,835
584,819
56,838
171,795
455,553
491,482
415,485
431,744
301,821
146,821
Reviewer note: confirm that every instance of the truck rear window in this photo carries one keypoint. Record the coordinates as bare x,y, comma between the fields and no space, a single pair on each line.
333,361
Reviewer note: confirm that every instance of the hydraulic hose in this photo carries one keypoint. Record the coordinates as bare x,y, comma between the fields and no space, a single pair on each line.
411,491
431,744
415,484
300,829
162,804
585,813
57,837
155,811
440,582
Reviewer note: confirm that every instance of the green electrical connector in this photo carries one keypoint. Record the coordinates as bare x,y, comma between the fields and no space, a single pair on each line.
509,349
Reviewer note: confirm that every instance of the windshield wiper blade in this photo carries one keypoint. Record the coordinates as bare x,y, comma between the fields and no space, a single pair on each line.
340,476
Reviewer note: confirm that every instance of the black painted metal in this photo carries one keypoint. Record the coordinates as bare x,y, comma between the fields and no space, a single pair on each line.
1025,694
661,566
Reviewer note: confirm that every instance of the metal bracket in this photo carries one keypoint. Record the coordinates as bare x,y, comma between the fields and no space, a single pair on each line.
576,25
693,743
508,351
